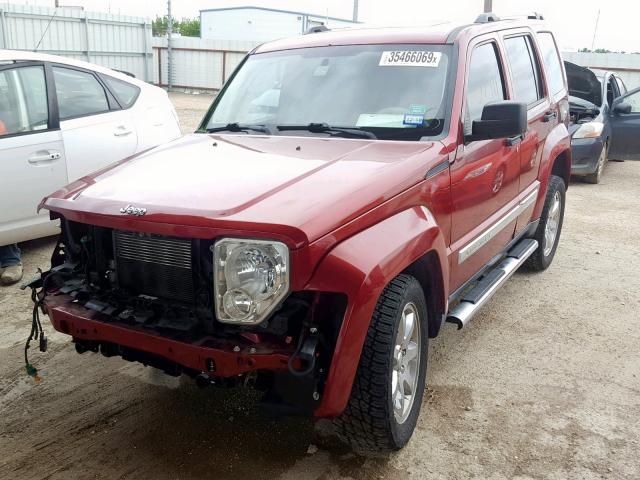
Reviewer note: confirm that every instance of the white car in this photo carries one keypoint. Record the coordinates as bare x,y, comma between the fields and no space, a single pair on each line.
61,119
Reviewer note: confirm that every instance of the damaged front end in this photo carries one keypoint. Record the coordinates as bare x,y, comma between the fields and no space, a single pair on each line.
153,299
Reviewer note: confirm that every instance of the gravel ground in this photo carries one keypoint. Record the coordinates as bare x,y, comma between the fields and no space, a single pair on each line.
544,383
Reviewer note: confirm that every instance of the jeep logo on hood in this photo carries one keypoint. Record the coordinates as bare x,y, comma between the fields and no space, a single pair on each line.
131,210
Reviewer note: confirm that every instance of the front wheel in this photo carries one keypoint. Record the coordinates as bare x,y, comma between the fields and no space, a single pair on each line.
596,176
550,226
387,392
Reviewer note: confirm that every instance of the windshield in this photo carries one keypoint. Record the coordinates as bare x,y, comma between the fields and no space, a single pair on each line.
396,92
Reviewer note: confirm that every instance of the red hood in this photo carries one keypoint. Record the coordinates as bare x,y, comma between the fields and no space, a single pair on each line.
303,187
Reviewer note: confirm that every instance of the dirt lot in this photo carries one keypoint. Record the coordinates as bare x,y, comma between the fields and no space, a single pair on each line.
544,383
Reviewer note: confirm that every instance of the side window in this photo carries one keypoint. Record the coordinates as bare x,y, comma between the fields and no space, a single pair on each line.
621,84
126,93
79,93
23,100
634,100
485,83
525,71
551,60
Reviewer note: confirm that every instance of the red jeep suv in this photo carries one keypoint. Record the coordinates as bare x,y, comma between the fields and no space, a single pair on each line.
346,194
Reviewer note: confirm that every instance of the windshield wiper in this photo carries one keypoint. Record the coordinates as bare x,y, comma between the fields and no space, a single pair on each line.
326,128
239,127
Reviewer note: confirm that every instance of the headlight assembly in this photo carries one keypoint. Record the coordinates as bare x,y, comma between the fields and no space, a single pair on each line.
589,130
251,279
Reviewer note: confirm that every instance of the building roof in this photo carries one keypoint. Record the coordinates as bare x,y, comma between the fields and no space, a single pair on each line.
292,12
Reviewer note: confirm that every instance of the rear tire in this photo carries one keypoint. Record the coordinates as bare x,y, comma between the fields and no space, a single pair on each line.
387,392
550,226
596,176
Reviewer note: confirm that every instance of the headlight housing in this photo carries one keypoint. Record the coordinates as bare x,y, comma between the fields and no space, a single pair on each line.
251,278
589,130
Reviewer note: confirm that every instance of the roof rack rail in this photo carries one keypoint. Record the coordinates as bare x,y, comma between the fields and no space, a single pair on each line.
487,17
316,29
535,16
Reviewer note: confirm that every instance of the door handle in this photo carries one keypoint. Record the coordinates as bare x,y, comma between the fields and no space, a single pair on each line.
511,141
549,115
122,131
45,157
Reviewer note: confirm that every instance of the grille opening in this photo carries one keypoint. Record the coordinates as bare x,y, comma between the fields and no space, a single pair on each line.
155,265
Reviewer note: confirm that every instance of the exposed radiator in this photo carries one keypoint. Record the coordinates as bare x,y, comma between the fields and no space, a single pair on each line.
154,265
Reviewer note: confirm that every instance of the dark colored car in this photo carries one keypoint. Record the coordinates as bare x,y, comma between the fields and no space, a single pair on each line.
347,192
605,120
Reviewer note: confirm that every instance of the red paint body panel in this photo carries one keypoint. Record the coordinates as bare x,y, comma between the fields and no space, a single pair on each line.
361,267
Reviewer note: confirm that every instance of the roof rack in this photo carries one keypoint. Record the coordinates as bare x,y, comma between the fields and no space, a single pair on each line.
492,17
487,17
316,29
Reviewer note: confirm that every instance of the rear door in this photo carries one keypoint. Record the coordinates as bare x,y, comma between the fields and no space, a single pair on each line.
528,87
95,129
625,127
32,157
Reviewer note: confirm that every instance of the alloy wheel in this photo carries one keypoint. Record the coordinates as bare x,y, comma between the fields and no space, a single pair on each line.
406,363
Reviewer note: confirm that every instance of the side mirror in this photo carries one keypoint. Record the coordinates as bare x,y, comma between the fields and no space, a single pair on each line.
502,119
622,107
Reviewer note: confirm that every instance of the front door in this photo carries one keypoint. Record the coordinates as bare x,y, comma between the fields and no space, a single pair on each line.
32,157
625,127
484,176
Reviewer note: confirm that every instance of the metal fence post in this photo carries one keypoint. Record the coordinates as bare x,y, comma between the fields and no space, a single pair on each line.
146,54
86,36
3,27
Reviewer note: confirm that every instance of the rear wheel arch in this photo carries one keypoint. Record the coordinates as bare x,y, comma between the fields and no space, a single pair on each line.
562,167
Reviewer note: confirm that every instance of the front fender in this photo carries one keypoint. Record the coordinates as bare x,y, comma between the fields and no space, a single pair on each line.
361,267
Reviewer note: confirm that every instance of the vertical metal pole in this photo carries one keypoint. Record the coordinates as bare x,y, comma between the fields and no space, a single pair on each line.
3,27
355,10
169,49
146,54
224,68
488,6
595,30
86,36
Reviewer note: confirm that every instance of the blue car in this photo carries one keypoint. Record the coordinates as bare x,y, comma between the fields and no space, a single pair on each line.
605,121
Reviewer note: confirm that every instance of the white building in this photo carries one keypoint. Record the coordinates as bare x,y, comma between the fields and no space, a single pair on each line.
261,24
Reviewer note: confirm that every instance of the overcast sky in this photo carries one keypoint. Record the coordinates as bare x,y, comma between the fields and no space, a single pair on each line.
572,20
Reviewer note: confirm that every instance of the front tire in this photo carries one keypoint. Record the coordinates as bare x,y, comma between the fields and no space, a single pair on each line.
387,392
550,226
596,176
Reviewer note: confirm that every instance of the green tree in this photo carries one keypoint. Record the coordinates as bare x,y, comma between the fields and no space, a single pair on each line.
187,27
190,27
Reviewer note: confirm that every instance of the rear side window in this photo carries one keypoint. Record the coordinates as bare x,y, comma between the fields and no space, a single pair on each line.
551,61
485,82
126,93
525,71
79,93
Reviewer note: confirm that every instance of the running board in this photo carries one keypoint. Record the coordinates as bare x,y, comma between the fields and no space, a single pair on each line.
490,283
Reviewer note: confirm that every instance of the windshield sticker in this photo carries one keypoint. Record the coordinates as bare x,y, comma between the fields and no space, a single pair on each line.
417,109
410,59
380,120
410,119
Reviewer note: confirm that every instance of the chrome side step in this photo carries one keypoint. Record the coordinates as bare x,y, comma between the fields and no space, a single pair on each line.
490,283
